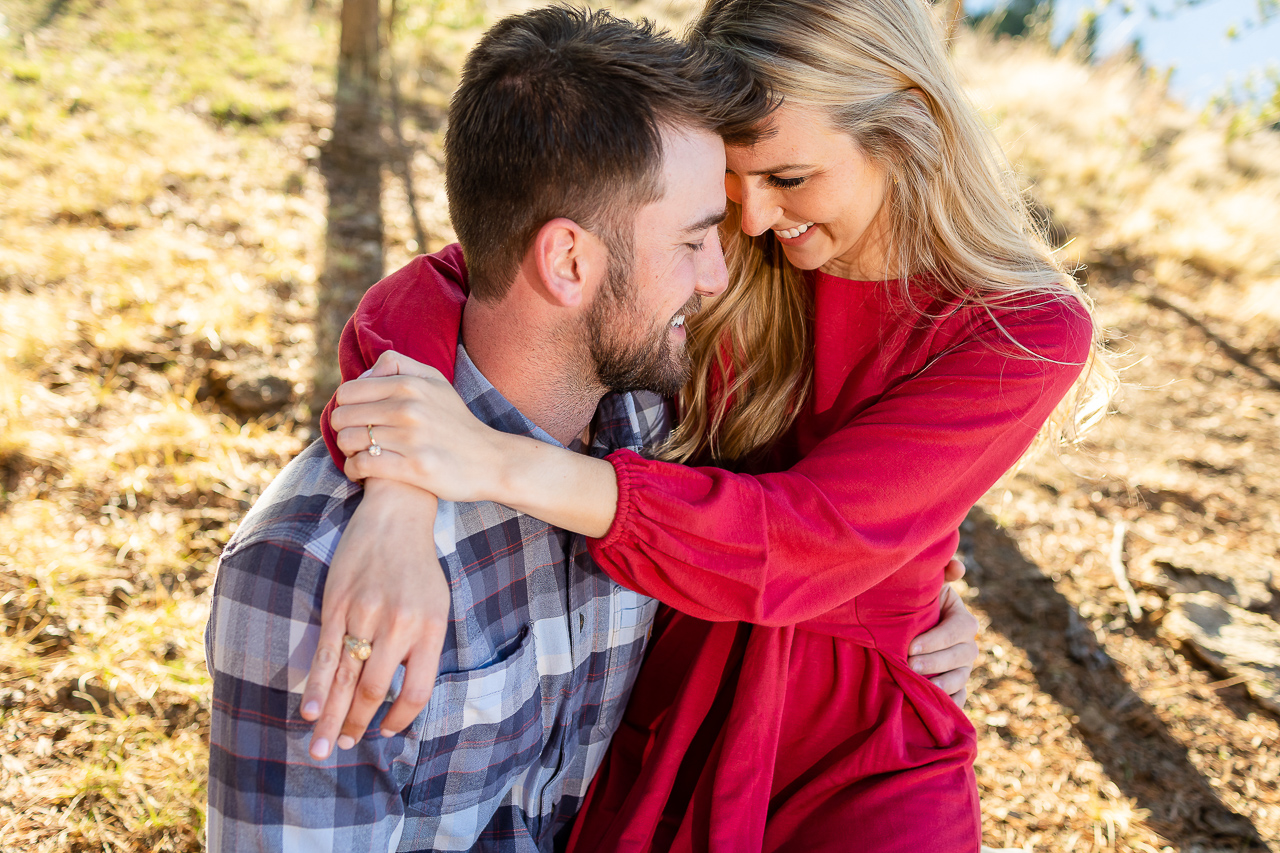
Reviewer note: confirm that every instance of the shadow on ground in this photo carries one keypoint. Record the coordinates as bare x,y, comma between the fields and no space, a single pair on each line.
1124,733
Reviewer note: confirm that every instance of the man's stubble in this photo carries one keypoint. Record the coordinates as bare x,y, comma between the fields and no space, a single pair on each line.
622,363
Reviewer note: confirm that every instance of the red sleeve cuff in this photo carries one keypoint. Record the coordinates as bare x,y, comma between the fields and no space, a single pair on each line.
624,463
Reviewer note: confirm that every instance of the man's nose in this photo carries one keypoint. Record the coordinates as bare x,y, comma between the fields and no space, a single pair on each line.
713,277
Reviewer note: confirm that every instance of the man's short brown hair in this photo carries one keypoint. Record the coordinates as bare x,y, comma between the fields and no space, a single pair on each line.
559,113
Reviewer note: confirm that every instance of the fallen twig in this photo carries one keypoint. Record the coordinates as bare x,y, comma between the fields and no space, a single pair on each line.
1122,574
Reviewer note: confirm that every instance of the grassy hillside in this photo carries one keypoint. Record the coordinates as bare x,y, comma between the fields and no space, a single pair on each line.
161,225
159,218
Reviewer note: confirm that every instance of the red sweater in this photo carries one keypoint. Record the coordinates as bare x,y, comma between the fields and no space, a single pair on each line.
836,560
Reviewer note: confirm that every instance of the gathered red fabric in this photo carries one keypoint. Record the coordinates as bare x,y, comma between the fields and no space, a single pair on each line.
416,311
776,709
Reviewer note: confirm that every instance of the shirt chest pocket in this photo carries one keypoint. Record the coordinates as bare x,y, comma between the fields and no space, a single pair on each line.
484,731
634,617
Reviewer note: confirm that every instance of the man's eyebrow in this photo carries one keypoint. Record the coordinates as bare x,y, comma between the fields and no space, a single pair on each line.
708,221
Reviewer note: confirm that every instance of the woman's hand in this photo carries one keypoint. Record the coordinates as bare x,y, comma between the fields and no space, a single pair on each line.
947,652
385,586
428,438
426,435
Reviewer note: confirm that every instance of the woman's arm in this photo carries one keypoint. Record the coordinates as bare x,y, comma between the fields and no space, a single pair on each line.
417,415
894,482
771,549
428,438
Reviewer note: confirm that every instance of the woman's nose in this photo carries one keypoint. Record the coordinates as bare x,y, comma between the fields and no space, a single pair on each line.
759,210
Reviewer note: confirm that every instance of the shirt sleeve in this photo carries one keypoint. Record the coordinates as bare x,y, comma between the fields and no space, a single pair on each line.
782,548
266,793
415,311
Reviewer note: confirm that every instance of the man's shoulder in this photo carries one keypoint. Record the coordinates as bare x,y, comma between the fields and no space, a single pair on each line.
306,506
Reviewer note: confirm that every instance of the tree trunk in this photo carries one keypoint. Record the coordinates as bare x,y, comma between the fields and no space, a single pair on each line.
402,161
352,167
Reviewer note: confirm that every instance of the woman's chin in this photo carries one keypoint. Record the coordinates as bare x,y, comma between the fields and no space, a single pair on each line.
803,259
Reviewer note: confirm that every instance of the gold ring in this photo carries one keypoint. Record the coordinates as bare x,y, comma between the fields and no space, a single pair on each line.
357,648
375,449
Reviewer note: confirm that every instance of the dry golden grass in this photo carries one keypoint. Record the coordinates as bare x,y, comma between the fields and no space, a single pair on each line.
161,226
164,215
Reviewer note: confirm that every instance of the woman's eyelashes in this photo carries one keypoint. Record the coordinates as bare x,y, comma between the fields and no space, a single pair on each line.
784,183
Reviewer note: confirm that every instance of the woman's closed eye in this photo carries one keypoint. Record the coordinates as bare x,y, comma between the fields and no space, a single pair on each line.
784,183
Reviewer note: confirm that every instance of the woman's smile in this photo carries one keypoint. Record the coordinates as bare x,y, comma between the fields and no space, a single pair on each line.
793,234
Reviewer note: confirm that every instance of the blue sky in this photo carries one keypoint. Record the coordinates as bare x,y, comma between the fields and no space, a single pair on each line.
1192,40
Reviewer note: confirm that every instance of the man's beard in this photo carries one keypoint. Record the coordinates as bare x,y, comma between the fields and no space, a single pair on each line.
653,363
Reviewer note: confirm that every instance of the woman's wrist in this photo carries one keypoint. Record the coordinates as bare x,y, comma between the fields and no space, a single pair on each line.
513,471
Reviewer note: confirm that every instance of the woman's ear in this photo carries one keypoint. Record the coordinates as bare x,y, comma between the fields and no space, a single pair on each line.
570,261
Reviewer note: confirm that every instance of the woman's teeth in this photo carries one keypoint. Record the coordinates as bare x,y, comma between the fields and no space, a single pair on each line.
792,233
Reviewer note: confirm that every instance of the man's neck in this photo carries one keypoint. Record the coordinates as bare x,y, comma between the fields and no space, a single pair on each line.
530,370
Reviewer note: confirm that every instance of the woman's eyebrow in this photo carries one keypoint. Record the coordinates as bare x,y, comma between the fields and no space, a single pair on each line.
789,167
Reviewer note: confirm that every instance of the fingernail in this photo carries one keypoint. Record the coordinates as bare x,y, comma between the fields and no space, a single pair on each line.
387,733
311,709
915,650
915,664
346,742
320,749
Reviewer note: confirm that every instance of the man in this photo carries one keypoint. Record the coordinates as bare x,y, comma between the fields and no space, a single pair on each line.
612,132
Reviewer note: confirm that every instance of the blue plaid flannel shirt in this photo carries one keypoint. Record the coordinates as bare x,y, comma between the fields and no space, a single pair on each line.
537,666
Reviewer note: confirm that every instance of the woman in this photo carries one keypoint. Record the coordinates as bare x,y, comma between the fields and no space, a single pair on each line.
894,337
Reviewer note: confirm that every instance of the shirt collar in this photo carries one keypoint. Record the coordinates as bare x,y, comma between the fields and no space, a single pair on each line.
616,424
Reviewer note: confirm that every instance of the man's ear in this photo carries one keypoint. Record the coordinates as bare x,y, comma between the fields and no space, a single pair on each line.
570,261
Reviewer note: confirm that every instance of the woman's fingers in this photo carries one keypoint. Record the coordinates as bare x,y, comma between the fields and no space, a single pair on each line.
397,408
392,363
355,439
954,570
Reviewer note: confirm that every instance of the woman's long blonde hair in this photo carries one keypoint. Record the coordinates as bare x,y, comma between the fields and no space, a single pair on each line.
878,70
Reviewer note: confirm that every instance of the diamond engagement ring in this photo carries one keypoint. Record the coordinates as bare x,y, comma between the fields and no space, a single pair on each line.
375,449
356,647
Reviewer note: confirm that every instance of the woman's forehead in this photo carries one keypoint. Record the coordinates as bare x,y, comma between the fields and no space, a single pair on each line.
799,135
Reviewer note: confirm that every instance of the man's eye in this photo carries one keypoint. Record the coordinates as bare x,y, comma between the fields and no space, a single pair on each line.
784,183
697,247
